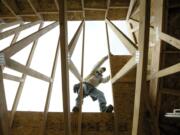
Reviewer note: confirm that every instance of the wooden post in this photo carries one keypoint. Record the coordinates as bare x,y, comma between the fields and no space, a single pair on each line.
140,90
64,66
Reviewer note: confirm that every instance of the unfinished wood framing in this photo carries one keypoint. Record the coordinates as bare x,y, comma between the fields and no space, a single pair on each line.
141,88
9,51
124,70
74,70
170,91
6,25
4,128
18,29
123,38
64,65
131,6
21,85
12,77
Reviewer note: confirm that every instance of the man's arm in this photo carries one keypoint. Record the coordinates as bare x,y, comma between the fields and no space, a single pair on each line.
96,67
106,79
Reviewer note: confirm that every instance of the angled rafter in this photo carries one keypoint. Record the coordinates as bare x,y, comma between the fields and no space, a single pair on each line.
131,6
21,85
3,108
125,69
64,65
23,69
141,91
57,4
123,38
6,25
17,29
12,77
74,40
9,51
74,70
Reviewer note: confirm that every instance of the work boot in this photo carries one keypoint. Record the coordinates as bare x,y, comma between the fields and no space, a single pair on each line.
109,109
75,109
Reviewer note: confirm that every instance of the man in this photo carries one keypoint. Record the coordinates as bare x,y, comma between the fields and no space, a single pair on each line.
89,89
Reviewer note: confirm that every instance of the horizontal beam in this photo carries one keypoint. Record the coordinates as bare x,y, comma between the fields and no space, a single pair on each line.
165,72
125,69
6,25
123,38
12,77
23,69
170,92
75,71
170,40
74,40
17,29
16,47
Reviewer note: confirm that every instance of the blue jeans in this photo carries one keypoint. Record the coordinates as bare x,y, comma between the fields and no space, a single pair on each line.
95,94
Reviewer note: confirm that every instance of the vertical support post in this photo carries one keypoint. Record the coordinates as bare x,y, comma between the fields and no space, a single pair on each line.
141,90
3,107
64,65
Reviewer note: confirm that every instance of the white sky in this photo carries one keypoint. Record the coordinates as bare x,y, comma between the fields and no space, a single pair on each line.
35,91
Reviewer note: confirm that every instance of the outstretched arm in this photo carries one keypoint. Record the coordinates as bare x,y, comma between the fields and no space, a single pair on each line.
106,79
97,66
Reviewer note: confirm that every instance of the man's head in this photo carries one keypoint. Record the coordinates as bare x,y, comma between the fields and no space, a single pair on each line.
101,70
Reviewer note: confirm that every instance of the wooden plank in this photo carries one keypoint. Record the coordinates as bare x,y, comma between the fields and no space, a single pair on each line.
64,65
170,40
131,6
9,51
6,25
23,69
57,4
12,77
3,108
123,38
125,69
75,38
165,72
74,70
170,91
17,29
141,93
21,85
46,109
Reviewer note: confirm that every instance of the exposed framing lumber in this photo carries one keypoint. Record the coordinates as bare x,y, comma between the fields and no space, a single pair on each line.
123,38
9,51
140,90
64,65
4,130
6,25
170,40
125,69
95,9
107,10
74,40
82,5
131,6
108,43
23,69
21,85
46,109
74,70
57,4
34,10
170,91
165,72
133,33
12,77
17,29
79,130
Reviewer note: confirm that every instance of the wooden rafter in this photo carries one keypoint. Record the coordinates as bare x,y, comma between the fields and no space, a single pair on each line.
12,77
6,25
74,70
131,6
64,65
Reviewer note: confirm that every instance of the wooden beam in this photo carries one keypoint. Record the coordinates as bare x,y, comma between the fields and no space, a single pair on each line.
23,69
123,38
21,85
57,4
125,69
95,9
17,29
74,70
64,65
74,40
12,77
165,72
46,109
170,91
131,6
108,7
170,40
4,130
6,25
9,51
141,93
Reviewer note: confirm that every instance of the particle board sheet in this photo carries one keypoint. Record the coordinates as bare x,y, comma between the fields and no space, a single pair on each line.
29,123
123,93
